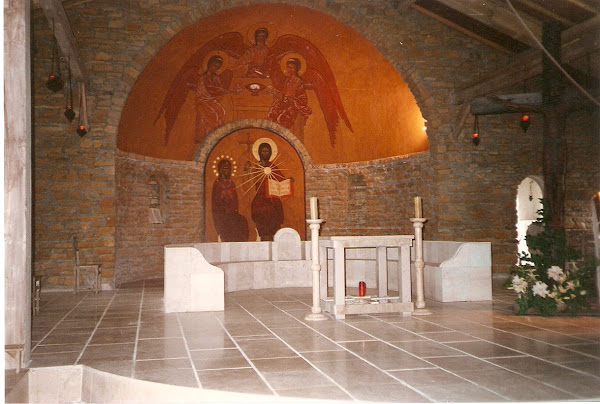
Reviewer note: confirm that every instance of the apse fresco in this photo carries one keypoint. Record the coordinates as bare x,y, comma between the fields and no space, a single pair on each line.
291,65
254,185
270,81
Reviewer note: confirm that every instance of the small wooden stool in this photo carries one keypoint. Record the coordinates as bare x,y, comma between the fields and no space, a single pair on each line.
16,351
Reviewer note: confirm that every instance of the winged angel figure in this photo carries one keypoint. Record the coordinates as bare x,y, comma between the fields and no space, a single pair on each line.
293,64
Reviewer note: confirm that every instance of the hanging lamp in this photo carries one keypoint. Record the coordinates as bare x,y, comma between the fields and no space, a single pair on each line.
525,122
475,135
69,113
54,82
82,125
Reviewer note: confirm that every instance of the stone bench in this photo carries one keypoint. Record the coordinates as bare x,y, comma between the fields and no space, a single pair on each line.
457,271
191,282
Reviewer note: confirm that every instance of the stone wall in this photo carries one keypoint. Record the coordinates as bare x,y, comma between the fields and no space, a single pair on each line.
83,187
178,188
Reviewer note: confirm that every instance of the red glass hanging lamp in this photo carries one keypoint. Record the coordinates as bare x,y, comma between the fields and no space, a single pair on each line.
69,113
525,122
54,82
475,136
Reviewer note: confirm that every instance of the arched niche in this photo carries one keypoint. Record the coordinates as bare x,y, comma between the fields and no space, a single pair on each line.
529,194
231,204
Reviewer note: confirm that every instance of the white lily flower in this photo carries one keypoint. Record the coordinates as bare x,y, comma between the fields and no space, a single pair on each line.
519,284
540,289
554,272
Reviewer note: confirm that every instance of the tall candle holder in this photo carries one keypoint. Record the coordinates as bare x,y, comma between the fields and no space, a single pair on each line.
420,309
316,312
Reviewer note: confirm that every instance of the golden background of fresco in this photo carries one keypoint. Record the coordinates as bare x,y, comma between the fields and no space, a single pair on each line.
384,115
238,146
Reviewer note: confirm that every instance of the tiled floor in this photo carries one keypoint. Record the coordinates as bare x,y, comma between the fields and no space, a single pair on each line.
261,344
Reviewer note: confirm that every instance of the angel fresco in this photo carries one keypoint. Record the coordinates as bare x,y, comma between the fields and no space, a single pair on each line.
312,72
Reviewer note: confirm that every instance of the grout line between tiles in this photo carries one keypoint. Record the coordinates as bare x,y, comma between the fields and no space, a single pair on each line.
95,328
399,380
482,359
248,359
59,321
187,350
532,339
137,331
299,354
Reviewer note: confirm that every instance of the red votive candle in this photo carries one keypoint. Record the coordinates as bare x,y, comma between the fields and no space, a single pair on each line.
362,289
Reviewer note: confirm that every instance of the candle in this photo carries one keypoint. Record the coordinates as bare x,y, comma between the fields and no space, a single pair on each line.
313,208
418,207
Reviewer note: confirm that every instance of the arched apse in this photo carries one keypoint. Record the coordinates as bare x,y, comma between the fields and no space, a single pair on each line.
529,194
377,115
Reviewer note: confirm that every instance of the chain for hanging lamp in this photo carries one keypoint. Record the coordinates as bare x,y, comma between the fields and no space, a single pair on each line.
83,124
54,82
69,113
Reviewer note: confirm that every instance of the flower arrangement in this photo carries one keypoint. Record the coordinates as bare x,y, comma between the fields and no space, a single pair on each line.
553,275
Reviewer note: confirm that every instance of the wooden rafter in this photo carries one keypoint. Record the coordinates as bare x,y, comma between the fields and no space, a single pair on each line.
578,41
547,12
495,14
583,5
459,28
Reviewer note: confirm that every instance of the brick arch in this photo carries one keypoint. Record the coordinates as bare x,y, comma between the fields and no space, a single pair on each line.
209,142
374,33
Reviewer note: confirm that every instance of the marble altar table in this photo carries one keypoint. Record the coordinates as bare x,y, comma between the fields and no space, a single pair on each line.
338,304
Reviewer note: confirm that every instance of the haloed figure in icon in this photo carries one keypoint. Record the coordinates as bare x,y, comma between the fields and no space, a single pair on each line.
267,210
230,225
290,97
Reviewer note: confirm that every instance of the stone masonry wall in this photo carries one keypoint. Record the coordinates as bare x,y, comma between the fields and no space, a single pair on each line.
373,197
84,187
178,187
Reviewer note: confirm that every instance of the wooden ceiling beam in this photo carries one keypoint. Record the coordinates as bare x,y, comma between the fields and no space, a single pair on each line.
584,6
459,28
495,14
547,12
578,41
55,13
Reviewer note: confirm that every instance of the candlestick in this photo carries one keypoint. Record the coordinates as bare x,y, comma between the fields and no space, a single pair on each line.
316,313
419,267
418,207
314,215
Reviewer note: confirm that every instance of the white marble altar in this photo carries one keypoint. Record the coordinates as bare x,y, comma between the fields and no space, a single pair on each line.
191,282
337,305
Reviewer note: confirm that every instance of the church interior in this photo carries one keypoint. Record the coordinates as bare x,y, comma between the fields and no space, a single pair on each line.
203,200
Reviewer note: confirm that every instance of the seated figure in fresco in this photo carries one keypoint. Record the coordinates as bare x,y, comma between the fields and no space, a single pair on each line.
252,62
230,225
290,99
305,68
266,210
208,88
